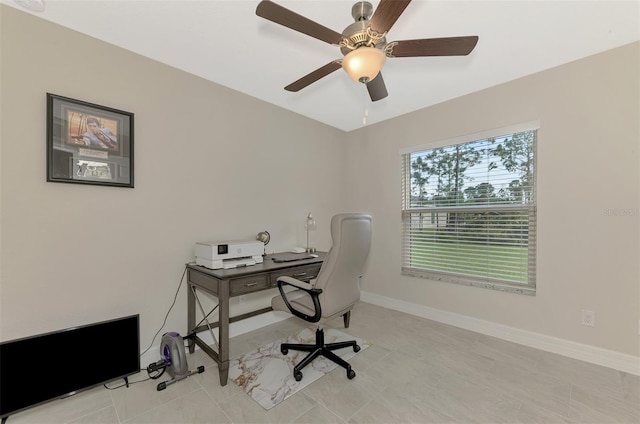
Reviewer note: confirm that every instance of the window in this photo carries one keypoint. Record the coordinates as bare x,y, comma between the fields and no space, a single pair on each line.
469,210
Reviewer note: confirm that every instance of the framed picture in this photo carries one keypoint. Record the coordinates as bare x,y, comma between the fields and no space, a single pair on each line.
88,143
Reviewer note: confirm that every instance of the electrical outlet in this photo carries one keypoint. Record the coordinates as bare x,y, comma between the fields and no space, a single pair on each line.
588,318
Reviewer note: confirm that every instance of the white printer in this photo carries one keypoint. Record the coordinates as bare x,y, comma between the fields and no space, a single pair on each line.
228,254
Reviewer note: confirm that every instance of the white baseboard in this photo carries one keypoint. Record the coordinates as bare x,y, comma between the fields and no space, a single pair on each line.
595,355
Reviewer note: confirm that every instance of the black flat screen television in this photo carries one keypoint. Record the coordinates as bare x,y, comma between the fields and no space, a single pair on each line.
41,368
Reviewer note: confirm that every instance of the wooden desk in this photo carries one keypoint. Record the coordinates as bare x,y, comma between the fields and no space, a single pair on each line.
227,283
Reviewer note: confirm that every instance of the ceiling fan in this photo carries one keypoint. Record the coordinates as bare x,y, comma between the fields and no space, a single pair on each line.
363,43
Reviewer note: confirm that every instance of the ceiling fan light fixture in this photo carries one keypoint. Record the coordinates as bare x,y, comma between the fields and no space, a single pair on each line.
364,63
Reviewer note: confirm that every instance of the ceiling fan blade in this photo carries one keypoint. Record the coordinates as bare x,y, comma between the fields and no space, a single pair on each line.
314,76
377,89
283,16
450,46
387,13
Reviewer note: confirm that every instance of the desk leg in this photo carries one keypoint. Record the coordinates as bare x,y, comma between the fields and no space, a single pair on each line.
191,315
223,319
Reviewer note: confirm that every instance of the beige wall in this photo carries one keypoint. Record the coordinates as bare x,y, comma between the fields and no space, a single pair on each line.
588,157
211,163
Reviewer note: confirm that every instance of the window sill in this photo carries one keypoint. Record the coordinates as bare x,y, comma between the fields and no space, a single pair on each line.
456,279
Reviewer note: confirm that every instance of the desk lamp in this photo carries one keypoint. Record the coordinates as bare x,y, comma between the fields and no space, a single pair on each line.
310,225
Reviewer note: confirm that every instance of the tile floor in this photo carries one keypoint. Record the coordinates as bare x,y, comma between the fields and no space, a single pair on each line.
416,371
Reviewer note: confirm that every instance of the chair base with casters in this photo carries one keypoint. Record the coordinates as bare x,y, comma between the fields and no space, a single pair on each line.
320,348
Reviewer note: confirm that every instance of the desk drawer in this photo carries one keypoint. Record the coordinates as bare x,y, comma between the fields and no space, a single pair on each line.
248,284
304,273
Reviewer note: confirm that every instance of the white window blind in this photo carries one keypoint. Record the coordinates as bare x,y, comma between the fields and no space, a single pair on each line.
469,212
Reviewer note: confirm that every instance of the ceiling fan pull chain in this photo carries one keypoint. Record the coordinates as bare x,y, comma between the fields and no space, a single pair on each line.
366,115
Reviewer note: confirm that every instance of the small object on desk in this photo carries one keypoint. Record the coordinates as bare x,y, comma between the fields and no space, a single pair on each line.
297,250
264,237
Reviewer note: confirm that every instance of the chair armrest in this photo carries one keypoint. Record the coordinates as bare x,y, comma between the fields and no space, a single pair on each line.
295,282
306,287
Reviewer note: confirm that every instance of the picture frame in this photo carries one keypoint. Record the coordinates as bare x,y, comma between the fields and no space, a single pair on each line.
88,143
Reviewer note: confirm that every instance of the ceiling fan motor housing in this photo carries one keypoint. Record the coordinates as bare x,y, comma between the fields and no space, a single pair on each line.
356,33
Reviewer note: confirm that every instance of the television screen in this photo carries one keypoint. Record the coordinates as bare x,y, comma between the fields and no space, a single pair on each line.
37,369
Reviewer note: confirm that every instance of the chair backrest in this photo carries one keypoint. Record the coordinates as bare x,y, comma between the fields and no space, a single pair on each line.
339,276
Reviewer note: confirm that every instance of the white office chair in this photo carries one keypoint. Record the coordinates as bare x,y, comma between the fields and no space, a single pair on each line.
334,292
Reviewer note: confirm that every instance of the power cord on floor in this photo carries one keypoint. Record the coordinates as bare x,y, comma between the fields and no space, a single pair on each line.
124,384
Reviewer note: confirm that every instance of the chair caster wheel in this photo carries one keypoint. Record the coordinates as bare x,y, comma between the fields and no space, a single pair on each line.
356,348
297,376
351,374
284,350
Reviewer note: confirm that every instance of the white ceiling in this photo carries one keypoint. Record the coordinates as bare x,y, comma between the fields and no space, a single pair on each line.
225,42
